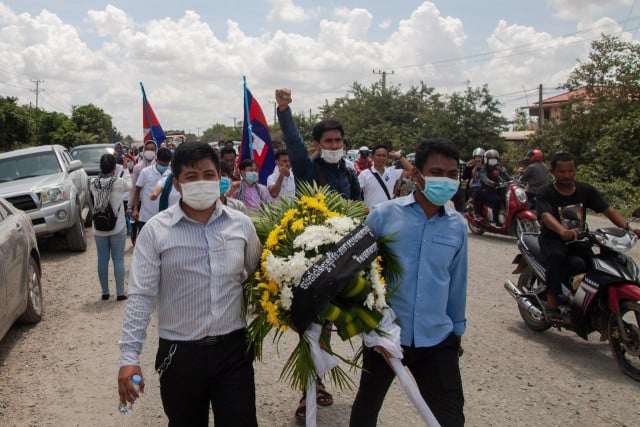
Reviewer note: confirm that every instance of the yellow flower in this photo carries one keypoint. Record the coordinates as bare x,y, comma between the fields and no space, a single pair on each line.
272,286
288,216
297,225
272,239
265,254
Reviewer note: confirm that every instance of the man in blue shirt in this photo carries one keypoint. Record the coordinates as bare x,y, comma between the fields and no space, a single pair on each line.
429,298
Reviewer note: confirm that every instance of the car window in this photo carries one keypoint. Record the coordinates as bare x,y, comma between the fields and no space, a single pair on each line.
29,165
90,155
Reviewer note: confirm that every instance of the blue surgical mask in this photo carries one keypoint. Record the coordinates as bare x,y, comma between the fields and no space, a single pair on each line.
225,183
162,169
439,189
251,177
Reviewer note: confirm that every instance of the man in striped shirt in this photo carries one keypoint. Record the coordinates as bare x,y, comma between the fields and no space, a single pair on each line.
190,261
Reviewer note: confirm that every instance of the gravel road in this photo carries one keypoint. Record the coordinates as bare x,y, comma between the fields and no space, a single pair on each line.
62,372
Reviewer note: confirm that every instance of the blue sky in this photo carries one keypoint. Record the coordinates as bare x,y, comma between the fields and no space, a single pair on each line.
191,55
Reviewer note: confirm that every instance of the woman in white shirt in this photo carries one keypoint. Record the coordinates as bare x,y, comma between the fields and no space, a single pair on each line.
110,244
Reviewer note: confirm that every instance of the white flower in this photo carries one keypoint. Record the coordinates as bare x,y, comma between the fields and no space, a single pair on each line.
369,301
286,297
341,224
315,236
297,266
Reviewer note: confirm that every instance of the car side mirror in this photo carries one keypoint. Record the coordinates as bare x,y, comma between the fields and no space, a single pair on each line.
75,165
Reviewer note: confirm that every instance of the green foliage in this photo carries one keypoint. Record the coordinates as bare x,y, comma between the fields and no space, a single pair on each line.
91,123
602,127
16,127
402,119
219,132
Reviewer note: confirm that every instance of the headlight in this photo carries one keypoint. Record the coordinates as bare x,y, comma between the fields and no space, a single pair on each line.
521,195
53,194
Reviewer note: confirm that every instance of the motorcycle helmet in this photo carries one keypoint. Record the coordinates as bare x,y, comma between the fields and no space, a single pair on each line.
535,155
478,152
491,157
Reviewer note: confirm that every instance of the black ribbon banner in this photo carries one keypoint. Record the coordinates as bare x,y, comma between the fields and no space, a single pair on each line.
328,276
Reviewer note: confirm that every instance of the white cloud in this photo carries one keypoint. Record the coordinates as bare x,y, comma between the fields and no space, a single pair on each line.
583,9
385,24
193,75
287,11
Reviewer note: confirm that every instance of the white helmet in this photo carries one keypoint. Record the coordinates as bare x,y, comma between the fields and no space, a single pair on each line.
491,157
478,152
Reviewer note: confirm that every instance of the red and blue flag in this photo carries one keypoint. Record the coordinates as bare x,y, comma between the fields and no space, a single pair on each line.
150,125
256,140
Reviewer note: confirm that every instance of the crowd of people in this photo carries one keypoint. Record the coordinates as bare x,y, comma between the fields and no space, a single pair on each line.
185,209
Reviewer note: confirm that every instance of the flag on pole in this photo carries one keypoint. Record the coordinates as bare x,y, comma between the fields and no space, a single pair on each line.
150,125
256,140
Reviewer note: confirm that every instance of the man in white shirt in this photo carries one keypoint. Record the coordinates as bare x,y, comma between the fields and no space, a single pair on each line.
143,207
189,263
281,183
377,182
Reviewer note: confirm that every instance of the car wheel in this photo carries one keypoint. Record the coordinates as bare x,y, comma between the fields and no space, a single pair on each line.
76,236
33,313
89,218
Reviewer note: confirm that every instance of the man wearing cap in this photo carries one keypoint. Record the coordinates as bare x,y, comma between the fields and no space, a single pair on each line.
363,162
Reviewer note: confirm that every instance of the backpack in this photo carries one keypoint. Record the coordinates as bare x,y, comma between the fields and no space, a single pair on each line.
104,218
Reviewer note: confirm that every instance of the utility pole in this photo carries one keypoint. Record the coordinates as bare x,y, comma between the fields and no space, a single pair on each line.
275,117
37,90
234,122
540,108
384,78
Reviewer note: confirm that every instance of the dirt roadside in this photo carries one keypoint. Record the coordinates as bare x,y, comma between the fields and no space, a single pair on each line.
62,372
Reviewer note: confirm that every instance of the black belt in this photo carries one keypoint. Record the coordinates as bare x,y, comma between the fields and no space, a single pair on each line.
210,340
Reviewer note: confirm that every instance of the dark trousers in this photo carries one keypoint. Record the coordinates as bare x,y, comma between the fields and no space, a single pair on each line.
220,375
561,261
495,201
435,370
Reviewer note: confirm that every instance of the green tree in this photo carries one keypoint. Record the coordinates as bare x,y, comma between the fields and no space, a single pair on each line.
602,127
93,124
520,121
16,127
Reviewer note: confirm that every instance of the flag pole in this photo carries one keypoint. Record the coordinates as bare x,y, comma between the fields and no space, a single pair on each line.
248,117
146,111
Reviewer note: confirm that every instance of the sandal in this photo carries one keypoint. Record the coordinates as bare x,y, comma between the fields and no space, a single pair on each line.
301,411
323,397
554,316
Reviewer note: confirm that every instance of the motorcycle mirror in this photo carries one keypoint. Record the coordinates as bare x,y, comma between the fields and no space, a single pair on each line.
636,213
571,215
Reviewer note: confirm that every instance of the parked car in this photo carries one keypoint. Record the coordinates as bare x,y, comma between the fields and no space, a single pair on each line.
52,188
20,270
89,155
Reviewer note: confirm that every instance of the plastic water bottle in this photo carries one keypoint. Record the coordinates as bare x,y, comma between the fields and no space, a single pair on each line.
127,409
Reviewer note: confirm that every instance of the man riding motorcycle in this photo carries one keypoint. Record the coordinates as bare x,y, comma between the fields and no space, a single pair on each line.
535,175
492,177
552,199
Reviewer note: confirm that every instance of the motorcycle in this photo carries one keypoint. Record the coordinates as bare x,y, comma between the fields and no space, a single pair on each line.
601,294
515,218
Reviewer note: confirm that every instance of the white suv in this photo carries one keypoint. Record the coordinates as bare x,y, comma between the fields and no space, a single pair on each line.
51,188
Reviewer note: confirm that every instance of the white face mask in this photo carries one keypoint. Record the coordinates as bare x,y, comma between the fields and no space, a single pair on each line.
331,156
200,195
492,162
149,155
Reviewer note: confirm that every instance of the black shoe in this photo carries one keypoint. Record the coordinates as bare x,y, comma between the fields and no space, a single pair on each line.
121,297
105,297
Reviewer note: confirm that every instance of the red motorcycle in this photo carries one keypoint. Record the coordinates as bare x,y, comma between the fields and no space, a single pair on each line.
515,216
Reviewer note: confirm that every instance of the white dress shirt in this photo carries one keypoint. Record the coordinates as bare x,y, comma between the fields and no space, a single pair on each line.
288,188
192,273
371,188
147,181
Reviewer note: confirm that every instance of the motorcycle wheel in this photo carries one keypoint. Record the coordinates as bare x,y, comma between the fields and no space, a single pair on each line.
627,353
526,283
526,226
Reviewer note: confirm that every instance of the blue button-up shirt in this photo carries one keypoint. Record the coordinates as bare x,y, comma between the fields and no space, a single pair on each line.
430,296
